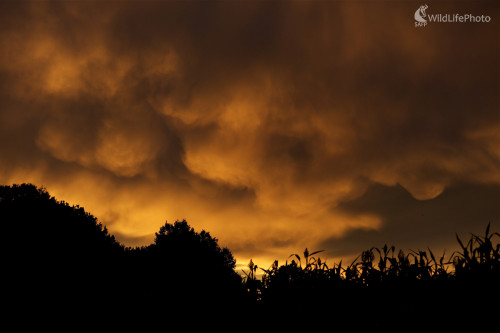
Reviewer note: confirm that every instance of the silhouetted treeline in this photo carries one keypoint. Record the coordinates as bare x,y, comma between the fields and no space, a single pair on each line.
57,259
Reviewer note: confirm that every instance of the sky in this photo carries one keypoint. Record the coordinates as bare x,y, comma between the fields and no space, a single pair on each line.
274,125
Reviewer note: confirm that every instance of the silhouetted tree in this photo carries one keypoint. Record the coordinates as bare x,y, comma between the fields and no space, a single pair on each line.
187,248
187,268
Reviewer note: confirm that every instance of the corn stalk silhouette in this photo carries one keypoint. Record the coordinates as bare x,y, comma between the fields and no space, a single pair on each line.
480,255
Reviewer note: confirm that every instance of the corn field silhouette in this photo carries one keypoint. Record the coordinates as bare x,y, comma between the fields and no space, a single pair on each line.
388,288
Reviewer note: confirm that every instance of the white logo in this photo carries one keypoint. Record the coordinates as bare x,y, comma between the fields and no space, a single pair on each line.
420,15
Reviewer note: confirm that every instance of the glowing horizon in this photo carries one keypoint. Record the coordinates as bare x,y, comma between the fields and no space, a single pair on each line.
275,126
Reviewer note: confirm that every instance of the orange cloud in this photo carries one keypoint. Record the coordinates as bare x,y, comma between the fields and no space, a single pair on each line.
264,123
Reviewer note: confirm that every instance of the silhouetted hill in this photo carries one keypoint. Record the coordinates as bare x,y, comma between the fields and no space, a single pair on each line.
40,226
59,257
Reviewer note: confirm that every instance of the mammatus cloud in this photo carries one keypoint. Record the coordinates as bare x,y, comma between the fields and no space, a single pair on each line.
266,123
458,209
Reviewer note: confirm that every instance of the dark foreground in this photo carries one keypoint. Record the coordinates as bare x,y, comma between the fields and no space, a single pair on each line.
61,268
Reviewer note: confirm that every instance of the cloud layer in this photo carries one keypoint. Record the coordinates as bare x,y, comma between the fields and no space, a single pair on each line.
270,124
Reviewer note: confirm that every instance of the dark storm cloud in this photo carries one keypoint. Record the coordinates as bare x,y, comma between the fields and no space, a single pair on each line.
251,119
409,223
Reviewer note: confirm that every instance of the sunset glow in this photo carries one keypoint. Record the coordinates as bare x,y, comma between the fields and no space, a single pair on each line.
275,126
